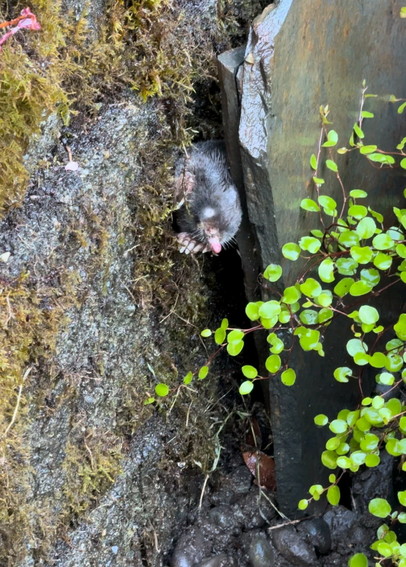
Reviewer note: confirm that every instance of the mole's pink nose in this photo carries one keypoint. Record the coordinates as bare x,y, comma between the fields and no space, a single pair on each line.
215,244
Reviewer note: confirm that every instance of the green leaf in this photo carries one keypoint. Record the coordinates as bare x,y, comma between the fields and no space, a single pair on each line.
277,345
361,254
309,205
313,162
402,497
329,205
331,165
235,348
310,244
161,390
252,312
355,346
303,504
378,360
358,211
273,363
366,228
400,327
368,314
338,426
333,495
367,149
220,336
381,158
188,378
309,339
249,371
385,378
332,139
346,266
383,242
203,372
358,131
270,309
372,460
329,459
273,272
321,419
379,507
326,270
288,377
291,251
291,295
310,287
149,400
402,106
348,238
358,560
370,276
358,193
341,373
325,299
382,261
402,163
206,333
309,317
246,388
325,315
360,288
366,114
343,287
318,181
235,336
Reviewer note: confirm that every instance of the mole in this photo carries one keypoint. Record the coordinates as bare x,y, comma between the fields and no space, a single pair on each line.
209,210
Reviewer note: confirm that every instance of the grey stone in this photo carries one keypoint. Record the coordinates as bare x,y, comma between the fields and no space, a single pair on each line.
260,551
318,534
293,547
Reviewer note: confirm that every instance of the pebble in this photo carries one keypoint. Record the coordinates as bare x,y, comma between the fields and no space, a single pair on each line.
293,546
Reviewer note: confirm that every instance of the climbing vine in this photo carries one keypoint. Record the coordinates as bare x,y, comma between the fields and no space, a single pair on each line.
352,258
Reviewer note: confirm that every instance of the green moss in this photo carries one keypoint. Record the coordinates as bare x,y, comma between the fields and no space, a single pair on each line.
91,464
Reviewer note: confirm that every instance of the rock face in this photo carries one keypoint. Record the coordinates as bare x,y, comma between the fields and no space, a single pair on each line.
300,55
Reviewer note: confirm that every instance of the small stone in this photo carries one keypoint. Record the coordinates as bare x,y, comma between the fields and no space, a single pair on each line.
318,534
260,551
191,548
293,546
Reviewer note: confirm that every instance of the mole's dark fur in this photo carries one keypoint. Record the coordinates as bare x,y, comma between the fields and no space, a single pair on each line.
211,212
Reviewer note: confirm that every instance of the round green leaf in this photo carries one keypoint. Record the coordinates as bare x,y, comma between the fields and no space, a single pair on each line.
369,442
344,462
234,348
326,270
348,238
303,504
361,254
358,211
249,371
206,333
270,309
291,251
358,194
252,310
379,507
188,378
291,295
343,287
367,149
402,497
220,336
313,162
310,244
360,288
203,372
366,228
325,315
358,560
385,378
273,272
277,345
246,387
161,390
329,459
383,242
370,276
372,460
309,317
310,287
273,363
378,360
355,346
341,374
338,426
333,495
368,314
346,266
382,261
321,419
400,327
309,205
288,377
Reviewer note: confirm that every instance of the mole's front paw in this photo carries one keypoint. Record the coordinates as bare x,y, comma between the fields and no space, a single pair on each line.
189,245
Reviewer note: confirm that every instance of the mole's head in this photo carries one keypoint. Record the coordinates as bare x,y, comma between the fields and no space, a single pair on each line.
212,229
